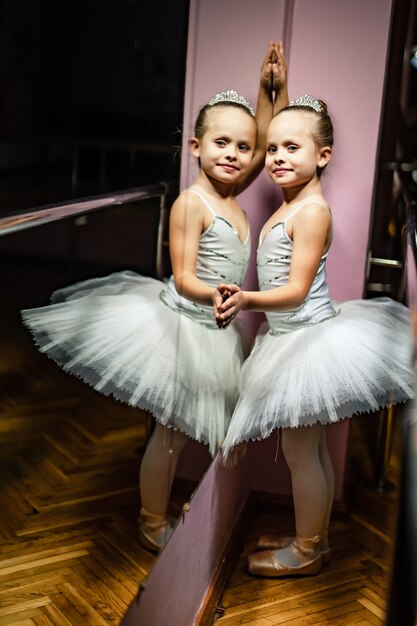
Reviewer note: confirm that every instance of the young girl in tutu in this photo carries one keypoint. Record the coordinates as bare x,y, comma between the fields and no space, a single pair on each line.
318,363
157,346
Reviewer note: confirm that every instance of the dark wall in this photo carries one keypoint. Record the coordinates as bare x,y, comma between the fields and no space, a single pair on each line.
99,81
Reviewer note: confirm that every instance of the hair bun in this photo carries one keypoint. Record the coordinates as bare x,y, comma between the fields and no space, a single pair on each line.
323,106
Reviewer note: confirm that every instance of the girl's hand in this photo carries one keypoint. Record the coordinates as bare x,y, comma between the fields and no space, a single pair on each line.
219,297
235,301
266,68
217,303
278,68
221,294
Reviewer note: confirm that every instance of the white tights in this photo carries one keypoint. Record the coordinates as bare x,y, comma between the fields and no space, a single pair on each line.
312,477
158,467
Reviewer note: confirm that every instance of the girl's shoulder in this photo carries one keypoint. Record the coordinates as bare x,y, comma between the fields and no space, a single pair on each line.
312,206
192,206
190,198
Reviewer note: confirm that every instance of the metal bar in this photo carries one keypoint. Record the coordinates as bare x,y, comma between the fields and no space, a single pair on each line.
382,287
386,262
399,166
160,237
53,212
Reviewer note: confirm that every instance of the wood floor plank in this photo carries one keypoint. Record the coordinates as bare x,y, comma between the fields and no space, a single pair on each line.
31,557
25,605
53,612
372,607
107,578
82,611
100,596
19,616
40,582
350,618
41,562
42,620
371,618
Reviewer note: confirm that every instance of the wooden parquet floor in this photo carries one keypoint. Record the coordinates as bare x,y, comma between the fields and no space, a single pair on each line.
353,589
350,591
69,499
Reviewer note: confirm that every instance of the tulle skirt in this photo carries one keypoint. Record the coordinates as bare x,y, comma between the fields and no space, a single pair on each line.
117,335
356,362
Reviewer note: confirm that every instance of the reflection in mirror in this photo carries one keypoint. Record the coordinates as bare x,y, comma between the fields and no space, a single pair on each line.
70,455
83,110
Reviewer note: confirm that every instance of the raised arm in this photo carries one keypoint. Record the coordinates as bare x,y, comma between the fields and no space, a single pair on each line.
272,96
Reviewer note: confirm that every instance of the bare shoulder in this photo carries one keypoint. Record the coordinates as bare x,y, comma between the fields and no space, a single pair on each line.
189,210
188,203
313,211
313,223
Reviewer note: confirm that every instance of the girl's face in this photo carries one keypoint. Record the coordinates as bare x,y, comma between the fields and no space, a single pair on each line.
227,146
292,156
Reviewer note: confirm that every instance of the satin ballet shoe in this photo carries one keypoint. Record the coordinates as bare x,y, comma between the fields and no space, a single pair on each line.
153,530
301,558
277,542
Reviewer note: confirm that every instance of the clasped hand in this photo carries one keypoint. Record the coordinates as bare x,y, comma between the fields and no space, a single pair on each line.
227,302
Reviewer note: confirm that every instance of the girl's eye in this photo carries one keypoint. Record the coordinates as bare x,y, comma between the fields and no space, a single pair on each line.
291,148
271,149
243,147
220,143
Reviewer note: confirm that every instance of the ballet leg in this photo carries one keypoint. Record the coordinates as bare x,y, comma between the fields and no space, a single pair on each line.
301,447
157,473
276,542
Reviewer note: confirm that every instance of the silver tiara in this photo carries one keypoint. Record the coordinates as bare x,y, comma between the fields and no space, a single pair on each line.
307,101
231,96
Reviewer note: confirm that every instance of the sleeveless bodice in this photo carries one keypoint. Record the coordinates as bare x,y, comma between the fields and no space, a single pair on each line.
222,258
273,263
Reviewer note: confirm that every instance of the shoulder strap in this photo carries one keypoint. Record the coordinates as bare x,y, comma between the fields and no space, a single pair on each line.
307,201
324,205
200,195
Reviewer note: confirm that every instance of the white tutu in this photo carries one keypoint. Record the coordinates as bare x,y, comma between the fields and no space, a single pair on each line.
134,347
355,362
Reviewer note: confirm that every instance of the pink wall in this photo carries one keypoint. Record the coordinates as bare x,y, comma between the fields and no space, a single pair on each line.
339,53
227,42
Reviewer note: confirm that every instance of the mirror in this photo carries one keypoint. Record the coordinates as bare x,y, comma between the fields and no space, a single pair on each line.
71,453
84,111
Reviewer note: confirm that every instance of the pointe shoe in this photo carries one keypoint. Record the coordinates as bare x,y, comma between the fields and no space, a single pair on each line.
153,530
277,542
301,558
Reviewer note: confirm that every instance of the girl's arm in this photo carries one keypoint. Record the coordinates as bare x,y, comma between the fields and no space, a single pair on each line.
273,79
185,227
310,234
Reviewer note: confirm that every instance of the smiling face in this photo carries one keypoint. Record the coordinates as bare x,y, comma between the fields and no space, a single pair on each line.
293,157
225,149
